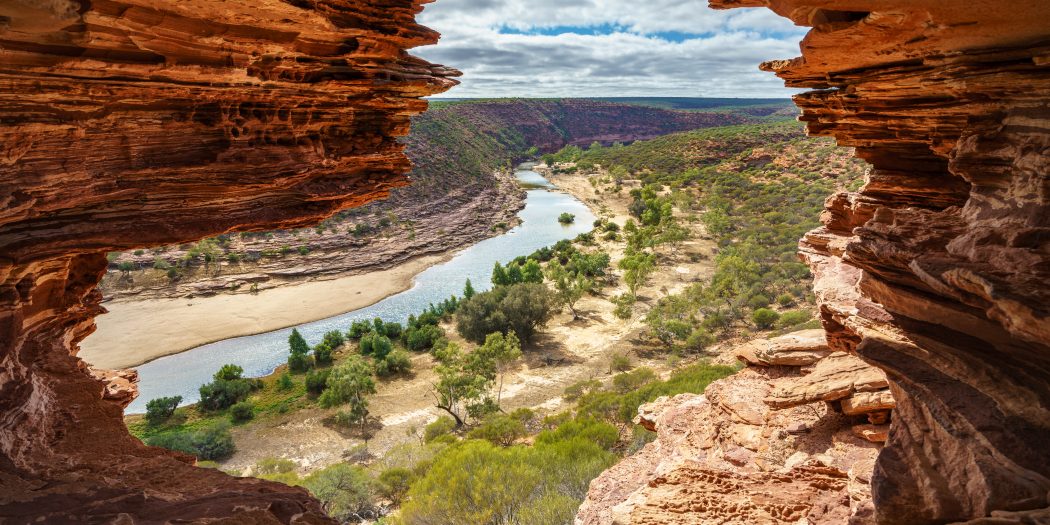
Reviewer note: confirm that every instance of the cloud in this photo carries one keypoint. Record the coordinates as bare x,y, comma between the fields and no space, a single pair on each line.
550,48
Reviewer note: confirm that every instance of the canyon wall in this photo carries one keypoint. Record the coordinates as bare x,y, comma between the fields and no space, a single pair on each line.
132,123
937,270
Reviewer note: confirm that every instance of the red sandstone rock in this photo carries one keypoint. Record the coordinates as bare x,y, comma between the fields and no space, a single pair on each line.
800,348
727,457
937,269
835,377
132,123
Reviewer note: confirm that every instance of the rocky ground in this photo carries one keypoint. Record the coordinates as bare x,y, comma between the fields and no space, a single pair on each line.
788,439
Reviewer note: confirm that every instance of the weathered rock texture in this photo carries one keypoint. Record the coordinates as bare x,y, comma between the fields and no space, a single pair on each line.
730,457
936,271
125,124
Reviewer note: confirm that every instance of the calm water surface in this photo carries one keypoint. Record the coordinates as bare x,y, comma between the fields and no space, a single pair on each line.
183,373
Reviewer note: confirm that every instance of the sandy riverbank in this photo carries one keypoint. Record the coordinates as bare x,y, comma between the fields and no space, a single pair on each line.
135,332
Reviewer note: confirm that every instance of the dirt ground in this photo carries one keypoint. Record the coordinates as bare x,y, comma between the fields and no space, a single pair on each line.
565,352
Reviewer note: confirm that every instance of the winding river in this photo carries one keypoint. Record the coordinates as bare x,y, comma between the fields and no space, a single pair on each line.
183,373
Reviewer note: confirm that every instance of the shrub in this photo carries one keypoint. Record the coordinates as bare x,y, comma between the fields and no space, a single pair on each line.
699,339
317,381
393,483
580,388
499,429
519,307
793,317
758,301
633,380
242,411
334,339
423,337
322,354
161,409
599,432
274,465
566,218
285,383
229,373
620,363
359,328
344,490
209,443
297,343
785,299
443,425
764,318
299,363
392,329
396,362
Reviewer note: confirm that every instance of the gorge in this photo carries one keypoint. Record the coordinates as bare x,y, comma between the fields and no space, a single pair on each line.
145,122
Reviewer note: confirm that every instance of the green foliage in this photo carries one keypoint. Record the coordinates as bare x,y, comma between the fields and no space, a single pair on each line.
395,362
499,429
633,380
793,317
569,286
297,343
343,489
442,426
423,337
521,308
333,339
161,409
621,407
212,442
272,465
764,318
227,389
624,305
284,382
348,383
242,411
323,354
317,381
468,290
566,218
393,483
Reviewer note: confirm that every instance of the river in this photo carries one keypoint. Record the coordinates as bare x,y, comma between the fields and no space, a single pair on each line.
183,373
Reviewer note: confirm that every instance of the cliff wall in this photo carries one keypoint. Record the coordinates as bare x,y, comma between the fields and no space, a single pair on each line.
936,271
128,124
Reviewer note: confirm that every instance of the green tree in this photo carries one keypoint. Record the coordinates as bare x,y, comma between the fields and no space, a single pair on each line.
297,343
468,290
161,409
522,308
499,275
569,287
229,372
637,268
566,218
531,272
463,381
502,351
349,384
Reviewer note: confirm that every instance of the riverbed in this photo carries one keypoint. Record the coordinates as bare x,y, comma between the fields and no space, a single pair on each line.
183,373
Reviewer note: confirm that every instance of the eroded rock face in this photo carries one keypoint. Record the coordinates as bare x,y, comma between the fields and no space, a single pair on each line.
134,123
936,271
729,457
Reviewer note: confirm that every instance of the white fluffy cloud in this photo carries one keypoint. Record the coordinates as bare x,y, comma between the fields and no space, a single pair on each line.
551,48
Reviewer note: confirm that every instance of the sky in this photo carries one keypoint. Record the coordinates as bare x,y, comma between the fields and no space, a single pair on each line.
608,48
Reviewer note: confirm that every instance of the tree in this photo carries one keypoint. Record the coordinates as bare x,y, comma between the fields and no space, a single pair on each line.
463,381
468,290
501,350
531,272
569,287
349,383
499,275
514,274
637,268
566,218
297,343
242,411
227,388
228,373
323,354
161,409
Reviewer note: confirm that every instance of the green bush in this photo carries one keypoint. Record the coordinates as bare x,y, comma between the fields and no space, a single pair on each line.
344,490
793,318
323,354
785,299
423,337
393,483
161,409
566,218
758,301
629,381
285,383
242,411
443,425
764,318
396,362
209,443
520,307
499,429
333,339
299,363
317,381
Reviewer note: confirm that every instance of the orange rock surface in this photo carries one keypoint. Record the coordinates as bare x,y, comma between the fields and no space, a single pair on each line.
132,123
937,270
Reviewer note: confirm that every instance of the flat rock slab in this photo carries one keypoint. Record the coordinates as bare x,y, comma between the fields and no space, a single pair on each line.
835,377
801,348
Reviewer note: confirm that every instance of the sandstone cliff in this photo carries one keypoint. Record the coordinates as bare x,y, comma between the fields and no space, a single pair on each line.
142,122
936,271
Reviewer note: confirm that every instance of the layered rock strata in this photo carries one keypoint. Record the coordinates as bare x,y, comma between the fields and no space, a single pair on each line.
730,457
936,271
133,123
